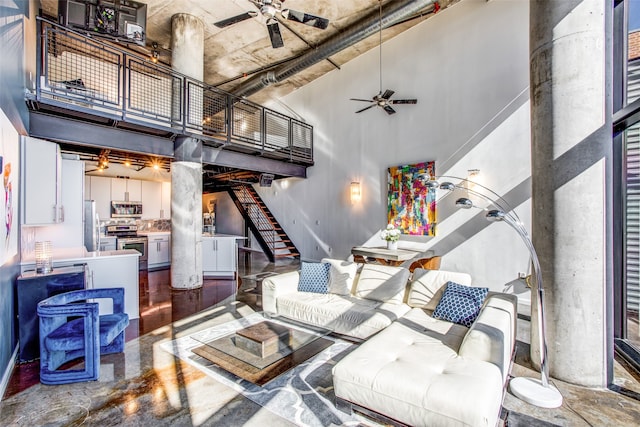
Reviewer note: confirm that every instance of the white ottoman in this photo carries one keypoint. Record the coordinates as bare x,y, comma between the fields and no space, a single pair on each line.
411,372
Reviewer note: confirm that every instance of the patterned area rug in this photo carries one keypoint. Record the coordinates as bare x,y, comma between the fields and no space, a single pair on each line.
304,395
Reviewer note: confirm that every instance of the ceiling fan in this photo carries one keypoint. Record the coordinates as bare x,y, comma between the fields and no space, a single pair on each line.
383,100
270,9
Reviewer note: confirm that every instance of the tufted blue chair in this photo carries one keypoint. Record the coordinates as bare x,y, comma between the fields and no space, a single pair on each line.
70,327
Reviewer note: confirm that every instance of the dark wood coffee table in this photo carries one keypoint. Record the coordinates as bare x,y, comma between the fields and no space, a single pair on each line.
261,352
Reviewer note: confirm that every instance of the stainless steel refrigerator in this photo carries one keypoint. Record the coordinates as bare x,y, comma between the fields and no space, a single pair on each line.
91,226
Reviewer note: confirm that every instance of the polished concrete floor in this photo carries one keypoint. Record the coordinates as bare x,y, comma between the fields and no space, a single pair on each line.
147,386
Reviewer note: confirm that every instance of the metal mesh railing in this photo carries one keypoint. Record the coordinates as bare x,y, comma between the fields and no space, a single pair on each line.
85,73
81,70
150,92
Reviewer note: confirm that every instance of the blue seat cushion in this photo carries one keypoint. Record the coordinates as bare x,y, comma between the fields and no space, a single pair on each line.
70,336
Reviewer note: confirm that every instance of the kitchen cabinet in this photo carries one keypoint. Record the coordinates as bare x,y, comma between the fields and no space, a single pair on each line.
41,178
158,250
108,243
101,194
106,269
69,232
123,189
165,206
116,271
31,288
219,255
151,199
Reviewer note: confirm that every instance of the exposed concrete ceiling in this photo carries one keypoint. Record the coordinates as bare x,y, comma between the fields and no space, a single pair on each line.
236,52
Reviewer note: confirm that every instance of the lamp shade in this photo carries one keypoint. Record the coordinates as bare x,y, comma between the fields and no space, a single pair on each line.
43,257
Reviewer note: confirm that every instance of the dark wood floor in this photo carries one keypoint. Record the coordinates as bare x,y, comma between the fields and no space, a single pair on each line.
161,305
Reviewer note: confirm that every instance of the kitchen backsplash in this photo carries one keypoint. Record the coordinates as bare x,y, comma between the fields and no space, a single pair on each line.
154,224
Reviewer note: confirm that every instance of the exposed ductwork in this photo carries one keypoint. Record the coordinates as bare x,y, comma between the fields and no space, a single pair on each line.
392,13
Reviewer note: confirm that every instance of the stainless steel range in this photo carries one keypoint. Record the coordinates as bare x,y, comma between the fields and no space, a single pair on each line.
127,238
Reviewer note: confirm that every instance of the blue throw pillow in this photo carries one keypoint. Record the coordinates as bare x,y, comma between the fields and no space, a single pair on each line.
460,304
314,277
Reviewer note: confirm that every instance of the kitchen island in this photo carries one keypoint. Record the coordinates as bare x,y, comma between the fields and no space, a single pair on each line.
105,269
220,255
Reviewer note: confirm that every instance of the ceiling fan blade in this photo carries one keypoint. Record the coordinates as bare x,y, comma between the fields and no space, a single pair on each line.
387,94
305,18
274,34
404,101
236,19
389,110
358,99
366,108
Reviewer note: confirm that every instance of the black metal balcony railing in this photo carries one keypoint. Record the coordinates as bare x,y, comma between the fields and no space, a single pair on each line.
92,75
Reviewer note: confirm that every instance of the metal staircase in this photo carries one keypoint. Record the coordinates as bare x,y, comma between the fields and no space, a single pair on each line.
272,238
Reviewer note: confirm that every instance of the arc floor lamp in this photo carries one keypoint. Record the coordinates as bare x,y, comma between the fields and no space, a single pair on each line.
537,392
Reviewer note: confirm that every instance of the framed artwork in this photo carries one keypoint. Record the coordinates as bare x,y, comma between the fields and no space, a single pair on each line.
411,205
9,191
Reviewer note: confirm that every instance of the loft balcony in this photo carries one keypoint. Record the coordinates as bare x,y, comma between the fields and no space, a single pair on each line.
84,78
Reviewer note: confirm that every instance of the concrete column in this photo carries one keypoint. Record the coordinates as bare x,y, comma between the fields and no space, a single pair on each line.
187,57
571,142
186,214
187,46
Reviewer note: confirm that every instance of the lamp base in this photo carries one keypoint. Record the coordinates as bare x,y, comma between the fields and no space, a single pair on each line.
532,391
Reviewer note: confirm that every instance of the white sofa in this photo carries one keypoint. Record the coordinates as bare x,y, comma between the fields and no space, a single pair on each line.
344,311
413,368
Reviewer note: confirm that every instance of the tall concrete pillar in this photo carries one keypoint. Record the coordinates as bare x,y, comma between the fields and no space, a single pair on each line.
186,214
571,142
187,46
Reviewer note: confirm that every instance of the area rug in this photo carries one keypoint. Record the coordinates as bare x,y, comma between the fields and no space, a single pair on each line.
304,395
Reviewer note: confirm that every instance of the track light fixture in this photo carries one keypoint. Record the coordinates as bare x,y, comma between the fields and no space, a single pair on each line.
103,159
154,52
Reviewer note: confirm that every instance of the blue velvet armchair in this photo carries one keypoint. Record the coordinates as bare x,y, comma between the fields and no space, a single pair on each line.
71,327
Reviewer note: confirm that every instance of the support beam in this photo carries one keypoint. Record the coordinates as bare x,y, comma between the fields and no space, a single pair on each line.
62,129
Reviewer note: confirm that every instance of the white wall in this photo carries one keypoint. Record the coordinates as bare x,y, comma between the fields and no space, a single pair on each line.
468,68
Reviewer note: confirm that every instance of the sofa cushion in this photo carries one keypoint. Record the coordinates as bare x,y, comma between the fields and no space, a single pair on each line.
460,304
341,275
382,283
346,315
314,277
427,286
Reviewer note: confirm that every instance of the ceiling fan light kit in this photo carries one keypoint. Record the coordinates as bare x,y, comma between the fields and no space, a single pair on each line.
383,100
270,9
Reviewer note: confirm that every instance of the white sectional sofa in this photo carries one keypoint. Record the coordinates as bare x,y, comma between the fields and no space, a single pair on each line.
343,311
413,368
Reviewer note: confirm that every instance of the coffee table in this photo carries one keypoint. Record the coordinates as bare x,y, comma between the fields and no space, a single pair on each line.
261,352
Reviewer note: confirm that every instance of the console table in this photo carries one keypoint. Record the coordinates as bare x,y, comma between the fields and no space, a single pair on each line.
387,256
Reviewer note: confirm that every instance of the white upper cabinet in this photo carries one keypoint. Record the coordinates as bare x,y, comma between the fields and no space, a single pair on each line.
151,199
155,196
41,182
165,208
123,189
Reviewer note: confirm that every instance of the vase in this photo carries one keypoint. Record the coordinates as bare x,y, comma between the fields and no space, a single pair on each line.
392,246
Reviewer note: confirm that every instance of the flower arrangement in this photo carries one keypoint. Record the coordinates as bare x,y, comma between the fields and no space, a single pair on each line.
390,234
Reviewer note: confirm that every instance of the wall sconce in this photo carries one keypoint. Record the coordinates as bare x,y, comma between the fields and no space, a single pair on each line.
472,176
355,191
43,257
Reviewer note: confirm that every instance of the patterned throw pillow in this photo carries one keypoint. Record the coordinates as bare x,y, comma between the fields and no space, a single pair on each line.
314,277
460,304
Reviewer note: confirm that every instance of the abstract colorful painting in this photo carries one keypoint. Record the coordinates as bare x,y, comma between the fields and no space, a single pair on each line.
9,151
411,205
